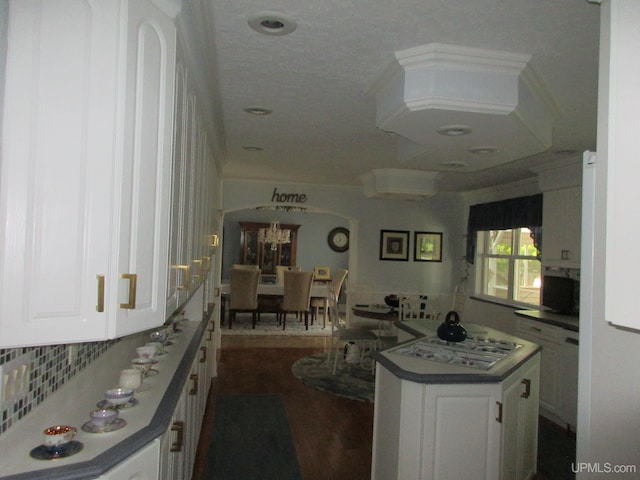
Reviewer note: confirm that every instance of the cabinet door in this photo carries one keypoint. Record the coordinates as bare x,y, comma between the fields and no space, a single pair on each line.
562,214
57,173
520,422
172,445
143,219
142,465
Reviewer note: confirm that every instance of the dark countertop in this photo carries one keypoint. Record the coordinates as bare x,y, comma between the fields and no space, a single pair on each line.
568,322
72,403
420,370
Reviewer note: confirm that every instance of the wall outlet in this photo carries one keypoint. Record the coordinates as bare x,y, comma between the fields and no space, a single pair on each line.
16,376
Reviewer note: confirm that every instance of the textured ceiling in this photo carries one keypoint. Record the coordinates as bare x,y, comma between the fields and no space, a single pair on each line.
318,79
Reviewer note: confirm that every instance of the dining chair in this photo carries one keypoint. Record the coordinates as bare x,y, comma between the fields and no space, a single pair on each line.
242,266
417,305
335,287
343,335
244,293
280,269
297,295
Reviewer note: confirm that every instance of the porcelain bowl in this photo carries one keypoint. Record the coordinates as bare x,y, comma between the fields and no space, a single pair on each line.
147,351
159,336
103,416
118,396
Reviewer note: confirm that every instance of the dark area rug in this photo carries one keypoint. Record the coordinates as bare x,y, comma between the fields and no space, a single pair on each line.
350,381
252,440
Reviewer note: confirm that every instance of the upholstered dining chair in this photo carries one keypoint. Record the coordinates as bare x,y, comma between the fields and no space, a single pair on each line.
280,269
297,295
342,335
244,292
335,287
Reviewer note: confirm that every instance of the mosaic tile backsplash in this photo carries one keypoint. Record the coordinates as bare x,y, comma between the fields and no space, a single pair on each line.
51,369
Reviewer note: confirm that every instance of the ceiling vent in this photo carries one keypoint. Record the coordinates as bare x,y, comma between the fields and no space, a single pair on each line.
402,184
494,102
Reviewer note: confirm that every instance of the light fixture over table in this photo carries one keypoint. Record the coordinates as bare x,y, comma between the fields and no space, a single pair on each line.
274,235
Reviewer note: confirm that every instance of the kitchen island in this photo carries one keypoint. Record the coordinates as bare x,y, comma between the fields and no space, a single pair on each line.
443,413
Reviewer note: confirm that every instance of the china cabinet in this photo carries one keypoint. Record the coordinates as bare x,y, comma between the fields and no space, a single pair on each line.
85,176
252,252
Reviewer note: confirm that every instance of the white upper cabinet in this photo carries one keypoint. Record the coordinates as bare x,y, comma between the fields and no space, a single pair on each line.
86,166
561,220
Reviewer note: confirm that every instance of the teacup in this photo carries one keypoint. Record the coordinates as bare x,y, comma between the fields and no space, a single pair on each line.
103,416
159,346
159,336
130,378
147,351
58,435
142,364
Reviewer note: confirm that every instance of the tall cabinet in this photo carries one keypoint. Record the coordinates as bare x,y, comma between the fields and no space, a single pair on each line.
252,252
86,168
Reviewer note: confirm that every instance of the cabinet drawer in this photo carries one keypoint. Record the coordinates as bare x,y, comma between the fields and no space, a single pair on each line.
531,328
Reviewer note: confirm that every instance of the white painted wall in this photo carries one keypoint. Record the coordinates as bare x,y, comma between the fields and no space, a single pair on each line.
366,217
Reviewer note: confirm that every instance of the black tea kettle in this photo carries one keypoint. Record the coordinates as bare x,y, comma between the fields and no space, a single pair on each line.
451,330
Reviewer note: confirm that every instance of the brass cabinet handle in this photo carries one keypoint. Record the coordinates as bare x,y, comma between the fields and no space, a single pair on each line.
133,280
499,417
203,349
206,263
527,388
100,304
186,279
199,265
194,378
178,427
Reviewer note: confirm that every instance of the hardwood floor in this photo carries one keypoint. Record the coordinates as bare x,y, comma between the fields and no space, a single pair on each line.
333,436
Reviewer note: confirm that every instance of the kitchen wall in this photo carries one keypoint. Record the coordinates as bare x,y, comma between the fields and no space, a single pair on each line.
365,218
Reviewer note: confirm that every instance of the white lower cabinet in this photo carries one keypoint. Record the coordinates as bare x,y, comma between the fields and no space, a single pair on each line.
142,465
558,369
179,443
445,431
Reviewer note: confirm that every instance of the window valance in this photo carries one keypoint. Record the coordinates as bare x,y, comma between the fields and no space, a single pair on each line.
504,214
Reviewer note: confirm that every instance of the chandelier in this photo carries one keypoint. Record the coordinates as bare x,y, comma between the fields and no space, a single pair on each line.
274,235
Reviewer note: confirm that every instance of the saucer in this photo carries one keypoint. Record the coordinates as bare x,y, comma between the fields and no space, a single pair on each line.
161,354
43,452
116,424
130,404
152,372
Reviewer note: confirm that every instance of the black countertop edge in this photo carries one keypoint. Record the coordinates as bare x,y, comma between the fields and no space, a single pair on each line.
449,378
549,321
92,469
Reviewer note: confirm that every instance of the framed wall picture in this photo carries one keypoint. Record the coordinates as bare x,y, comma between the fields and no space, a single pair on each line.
321,273
394,245
427,247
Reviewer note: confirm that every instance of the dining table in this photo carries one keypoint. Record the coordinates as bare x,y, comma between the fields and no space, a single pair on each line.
319,289
379,312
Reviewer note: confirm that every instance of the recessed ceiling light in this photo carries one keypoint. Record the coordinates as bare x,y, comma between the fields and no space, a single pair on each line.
482,150
454,130
258,110
272,23
453,164
252,148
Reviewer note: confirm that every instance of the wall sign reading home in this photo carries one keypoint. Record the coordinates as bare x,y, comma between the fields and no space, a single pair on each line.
278,197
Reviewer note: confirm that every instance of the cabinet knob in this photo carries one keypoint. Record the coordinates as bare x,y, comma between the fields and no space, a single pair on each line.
100,303
133,280
178,427
194,389
527,388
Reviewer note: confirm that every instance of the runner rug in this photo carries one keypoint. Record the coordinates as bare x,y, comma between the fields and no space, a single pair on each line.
252,440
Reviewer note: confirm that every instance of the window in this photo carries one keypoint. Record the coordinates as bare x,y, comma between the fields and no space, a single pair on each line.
508,269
